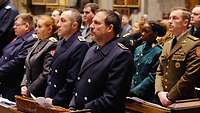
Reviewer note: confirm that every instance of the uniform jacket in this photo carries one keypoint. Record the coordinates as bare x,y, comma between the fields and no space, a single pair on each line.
194,32
86,35
64,70
38,62
131,41
146,62
178,72
104,79
12,63
7,16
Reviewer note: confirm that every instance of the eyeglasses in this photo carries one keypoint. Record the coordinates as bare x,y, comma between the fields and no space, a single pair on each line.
19,24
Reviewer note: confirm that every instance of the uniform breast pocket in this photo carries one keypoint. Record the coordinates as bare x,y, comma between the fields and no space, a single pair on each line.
179,57
178,60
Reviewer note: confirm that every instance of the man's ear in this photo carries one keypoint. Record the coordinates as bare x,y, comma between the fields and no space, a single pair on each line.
110,28
186,22
75,25
27,26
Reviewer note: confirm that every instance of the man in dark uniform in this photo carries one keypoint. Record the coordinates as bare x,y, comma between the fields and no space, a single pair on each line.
67,60
105,75
178,71
13,57
7,15
195,22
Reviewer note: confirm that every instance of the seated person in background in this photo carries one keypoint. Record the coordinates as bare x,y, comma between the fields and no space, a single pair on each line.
146,61
67,61
14,55
133,39
39,58
126,27
167,36
195,22
89,11
56,16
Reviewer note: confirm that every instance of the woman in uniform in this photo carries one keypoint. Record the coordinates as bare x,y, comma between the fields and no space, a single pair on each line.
146,61
39,59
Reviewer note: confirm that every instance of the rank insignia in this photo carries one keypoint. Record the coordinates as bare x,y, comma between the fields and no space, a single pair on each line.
177,65
53,52
122,46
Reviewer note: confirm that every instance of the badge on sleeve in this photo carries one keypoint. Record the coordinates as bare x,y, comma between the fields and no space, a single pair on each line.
198,51
53,52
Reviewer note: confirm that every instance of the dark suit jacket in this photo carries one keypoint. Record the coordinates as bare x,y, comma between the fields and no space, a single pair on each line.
37,65
7,16
194,32
65,67
104,79
12,65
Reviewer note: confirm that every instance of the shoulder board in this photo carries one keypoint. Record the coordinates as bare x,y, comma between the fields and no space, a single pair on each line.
8,7
53,39
81,38
34,36
122,46
193,38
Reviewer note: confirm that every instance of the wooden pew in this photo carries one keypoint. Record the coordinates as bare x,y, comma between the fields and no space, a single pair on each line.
136,105
6,109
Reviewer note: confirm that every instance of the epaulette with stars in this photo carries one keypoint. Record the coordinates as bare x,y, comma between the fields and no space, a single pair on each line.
193,38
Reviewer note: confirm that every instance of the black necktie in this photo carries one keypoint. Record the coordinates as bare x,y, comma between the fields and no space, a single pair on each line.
174,42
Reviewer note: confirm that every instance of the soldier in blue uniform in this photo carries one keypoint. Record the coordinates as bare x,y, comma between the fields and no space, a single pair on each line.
105,75
7,16
67,60
146,61
13,57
